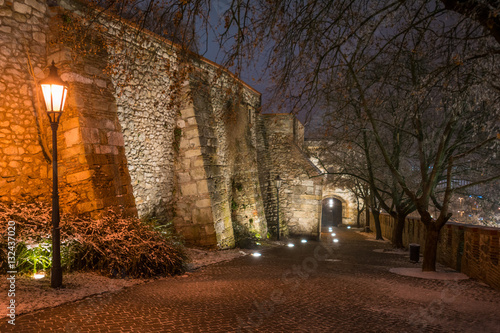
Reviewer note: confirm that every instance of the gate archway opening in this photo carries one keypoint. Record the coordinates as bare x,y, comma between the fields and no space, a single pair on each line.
331,215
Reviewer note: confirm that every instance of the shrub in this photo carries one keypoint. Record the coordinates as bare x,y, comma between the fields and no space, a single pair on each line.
114,245
31,258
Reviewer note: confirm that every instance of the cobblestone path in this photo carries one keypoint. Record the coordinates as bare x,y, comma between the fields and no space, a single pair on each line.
311,287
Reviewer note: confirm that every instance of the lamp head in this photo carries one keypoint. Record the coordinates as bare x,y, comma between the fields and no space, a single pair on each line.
54,91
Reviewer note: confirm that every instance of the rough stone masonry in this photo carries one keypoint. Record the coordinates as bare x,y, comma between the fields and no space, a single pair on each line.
206,163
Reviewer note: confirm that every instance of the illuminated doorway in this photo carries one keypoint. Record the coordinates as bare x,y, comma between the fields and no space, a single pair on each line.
331,215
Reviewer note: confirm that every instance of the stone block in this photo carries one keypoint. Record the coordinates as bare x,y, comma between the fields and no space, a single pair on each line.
5,12
203,203
73,151
202,186
36,5
198,173
189,189
40,37
192,153
70,123
198,162
17,129
187,112
10,150
72,137
90,135
183,177
21,8
79,176
191,133
115,139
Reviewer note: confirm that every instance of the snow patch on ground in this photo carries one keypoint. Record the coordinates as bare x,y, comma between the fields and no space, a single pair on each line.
392,251
437,275
200,258
31,294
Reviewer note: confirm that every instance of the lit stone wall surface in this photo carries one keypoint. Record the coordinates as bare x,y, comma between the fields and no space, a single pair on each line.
24,150
472,250
281,140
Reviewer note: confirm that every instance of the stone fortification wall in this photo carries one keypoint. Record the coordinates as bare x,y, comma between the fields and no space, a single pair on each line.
301,193
218,173
473,250
122,140
24,166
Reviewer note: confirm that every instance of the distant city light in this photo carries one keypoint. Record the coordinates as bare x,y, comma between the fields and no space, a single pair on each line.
256,254
291,245
335,240
303,241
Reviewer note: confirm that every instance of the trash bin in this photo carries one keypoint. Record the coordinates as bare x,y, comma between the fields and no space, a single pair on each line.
414,252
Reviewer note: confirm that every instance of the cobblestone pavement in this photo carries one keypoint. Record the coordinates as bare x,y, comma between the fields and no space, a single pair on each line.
311,287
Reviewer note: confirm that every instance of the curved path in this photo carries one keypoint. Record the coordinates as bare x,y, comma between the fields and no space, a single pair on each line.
311,287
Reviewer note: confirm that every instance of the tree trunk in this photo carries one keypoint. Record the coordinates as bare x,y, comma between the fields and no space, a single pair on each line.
376,219
367,213
397,233
359,218
430,249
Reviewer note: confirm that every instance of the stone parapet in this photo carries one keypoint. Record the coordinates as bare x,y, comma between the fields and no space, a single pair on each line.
473,250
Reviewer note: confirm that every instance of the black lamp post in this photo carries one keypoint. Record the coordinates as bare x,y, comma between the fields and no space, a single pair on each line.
54,93
278,185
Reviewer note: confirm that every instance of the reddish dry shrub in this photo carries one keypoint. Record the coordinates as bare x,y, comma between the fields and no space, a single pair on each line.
113,245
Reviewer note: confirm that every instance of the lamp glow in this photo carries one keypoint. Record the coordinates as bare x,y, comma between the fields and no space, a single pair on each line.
348,227
256,254
330,229
334,234
335,240
303,241
38,276
54,91
291,245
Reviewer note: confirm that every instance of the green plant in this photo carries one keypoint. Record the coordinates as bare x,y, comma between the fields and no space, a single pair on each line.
34,257
234,205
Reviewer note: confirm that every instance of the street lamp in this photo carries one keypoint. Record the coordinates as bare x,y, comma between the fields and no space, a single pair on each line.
278,185
54,94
